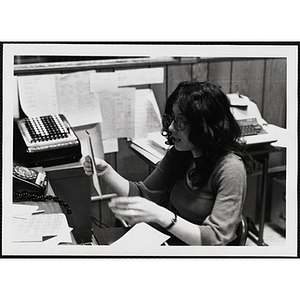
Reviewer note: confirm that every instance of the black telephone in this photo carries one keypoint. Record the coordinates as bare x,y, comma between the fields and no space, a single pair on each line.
29,180
29,184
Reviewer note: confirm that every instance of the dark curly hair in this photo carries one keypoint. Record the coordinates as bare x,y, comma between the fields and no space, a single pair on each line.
214,129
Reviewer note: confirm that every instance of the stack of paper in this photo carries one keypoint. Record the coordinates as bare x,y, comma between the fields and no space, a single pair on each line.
158,140
148,149
152,147
31,226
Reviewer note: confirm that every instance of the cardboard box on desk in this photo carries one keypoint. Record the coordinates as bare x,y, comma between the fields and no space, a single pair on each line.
72,186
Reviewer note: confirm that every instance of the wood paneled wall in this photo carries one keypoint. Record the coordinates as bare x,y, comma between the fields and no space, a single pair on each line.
263,80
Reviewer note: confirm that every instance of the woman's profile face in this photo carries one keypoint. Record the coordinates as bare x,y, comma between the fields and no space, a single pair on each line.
180,138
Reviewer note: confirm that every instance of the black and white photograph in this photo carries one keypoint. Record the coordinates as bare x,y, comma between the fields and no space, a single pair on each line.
161,150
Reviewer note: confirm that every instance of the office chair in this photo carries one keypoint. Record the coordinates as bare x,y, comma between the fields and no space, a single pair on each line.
242,234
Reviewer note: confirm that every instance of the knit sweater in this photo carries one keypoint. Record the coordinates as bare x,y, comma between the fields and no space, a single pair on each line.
216,208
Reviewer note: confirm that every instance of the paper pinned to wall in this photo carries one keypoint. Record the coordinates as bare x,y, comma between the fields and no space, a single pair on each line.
38,95
140,76
100,82
118,119
75,100
81,97
129,112
110,145
125,100
66,94
109,107
147,115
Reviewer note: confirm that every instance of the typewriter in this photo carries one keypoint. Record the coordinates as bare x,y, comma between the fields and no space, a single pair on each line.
254,129
250,127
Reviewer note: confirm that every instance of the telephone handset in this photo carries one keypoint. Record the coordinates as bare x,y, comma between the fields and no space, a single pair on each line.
29,184
29,180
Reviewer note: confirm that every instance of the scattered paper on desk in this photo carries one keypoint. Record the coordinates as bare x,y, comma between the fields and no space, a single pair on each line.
141,235
37,227
23,211
64,234
95,175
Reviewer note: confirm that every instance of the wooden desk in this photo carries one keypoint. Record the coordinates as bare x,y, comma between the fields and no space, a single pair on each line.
260,153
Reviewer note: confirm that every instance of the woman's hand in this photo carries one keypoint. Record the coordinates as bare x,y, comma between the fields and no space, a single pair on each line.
119,184
101,166
136,209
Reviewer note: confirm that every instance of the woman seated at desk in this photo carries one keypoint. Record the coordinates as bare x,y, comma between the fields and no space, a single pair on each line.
197,191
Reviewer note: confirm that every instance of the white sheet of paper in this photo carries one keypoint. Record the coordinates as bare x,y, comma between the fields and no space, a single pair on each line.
139,236
147,116
23,211
110,145
66,94
125,99
149,146
158,140
109,107
38,95
102,81
118,119
95,176
62,234
36,227
140,76
75,100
